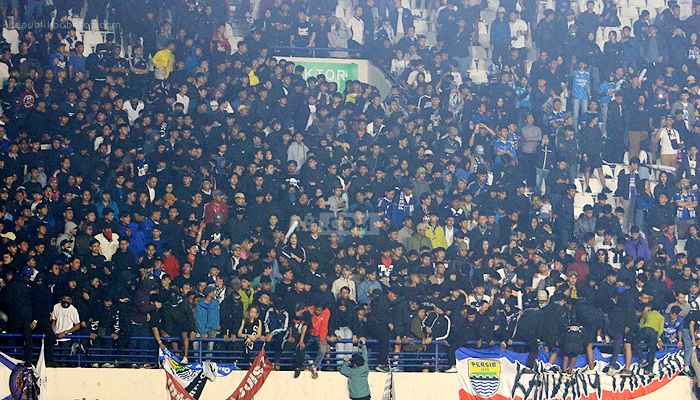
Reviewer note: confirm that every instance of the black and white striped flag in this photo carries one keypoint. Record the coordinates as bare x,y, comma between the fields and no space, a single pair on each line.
389,392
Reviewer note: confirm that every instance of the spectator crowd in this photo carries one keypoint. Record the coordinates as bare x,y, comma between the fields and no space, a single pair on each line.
174,185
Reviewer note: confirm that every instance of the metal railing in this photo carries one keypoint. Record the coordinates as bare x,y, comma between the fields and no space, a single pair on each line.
325,52
80,351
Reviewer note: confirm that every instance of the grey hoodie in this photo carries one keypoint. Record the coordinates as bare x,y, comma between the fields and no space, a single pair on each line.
66,235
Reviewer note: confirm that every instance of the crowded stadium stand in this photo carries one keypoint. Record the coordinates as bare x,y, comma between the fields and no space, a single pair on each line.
214,177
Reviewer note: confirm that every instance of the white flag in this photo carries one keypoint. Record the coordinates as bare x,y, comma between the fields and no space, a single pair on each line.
389,387
40,373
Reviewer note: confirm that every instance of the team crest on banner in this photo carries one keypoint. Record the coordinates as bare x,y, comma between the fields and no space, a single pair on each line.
484,376
498,374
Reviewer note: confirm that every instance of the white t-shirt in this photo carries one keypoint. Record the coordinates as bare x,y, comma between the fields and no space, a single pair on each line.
133,112
518,30
665,141
184,99
65,318
357,28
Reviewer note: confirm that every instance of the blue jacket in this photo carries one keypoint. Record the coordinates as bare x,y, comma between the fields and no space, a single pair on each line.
207,316
112,205
363,289
638,249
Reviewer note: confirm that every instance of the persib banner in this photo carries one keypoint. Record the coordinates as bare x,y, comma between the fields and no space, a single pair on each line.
498,374
335,70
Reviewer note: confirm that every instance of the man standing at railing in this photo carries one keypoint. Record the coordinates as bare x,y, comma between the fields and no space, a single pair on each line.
319,335
42,302
19,310
355,368
65,320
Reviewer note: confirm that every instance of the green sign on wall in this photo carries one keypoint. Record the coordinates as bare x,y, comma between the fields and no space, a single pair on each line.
338,71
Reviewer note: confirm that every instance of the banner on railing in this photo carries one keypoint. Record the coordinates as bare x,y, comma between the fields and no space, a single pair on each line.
221,369
183,382
253,379
498,374
16,380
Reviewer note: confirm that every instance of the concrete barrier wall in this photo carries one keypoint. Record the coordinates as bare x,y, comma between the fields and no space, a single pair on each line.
122,384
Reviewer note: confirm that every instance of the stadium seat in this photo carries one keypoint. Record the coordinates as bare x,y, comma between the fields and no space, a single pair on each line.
656,4
618,168
608,171
488,16
643,158
652,12
483,36
479,76
629,12
686,10
595,185
92,38
640,4
78,24
11,36
479,53
600,42
611,184
581,199
421,26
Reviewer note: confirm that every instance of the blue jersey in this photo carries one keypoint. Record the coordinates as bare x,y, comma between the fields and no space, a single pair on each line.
671,329
581,81
504,146
606,98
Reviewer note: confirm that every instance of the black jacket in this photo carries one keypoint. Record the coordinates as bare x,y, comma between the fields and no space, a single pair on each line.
440,325
545,156
554,323
231,316
623,183
617,120
406,18
528,324
108,319
659,216
685,171
15,301
381,311
42,303
605,297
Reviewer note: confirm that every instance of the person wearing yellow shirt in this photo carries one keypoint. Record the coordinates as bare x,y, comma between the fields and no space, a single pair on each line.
164,62
435,232
651,327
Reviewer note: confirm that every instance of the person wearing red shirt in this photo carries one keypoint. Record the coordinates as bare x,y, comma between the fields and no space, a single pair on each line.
170,264
319,335
216,211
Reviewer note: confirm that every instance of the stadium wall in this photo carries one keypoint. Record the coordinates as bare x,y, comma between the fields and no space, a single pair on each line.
108,384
